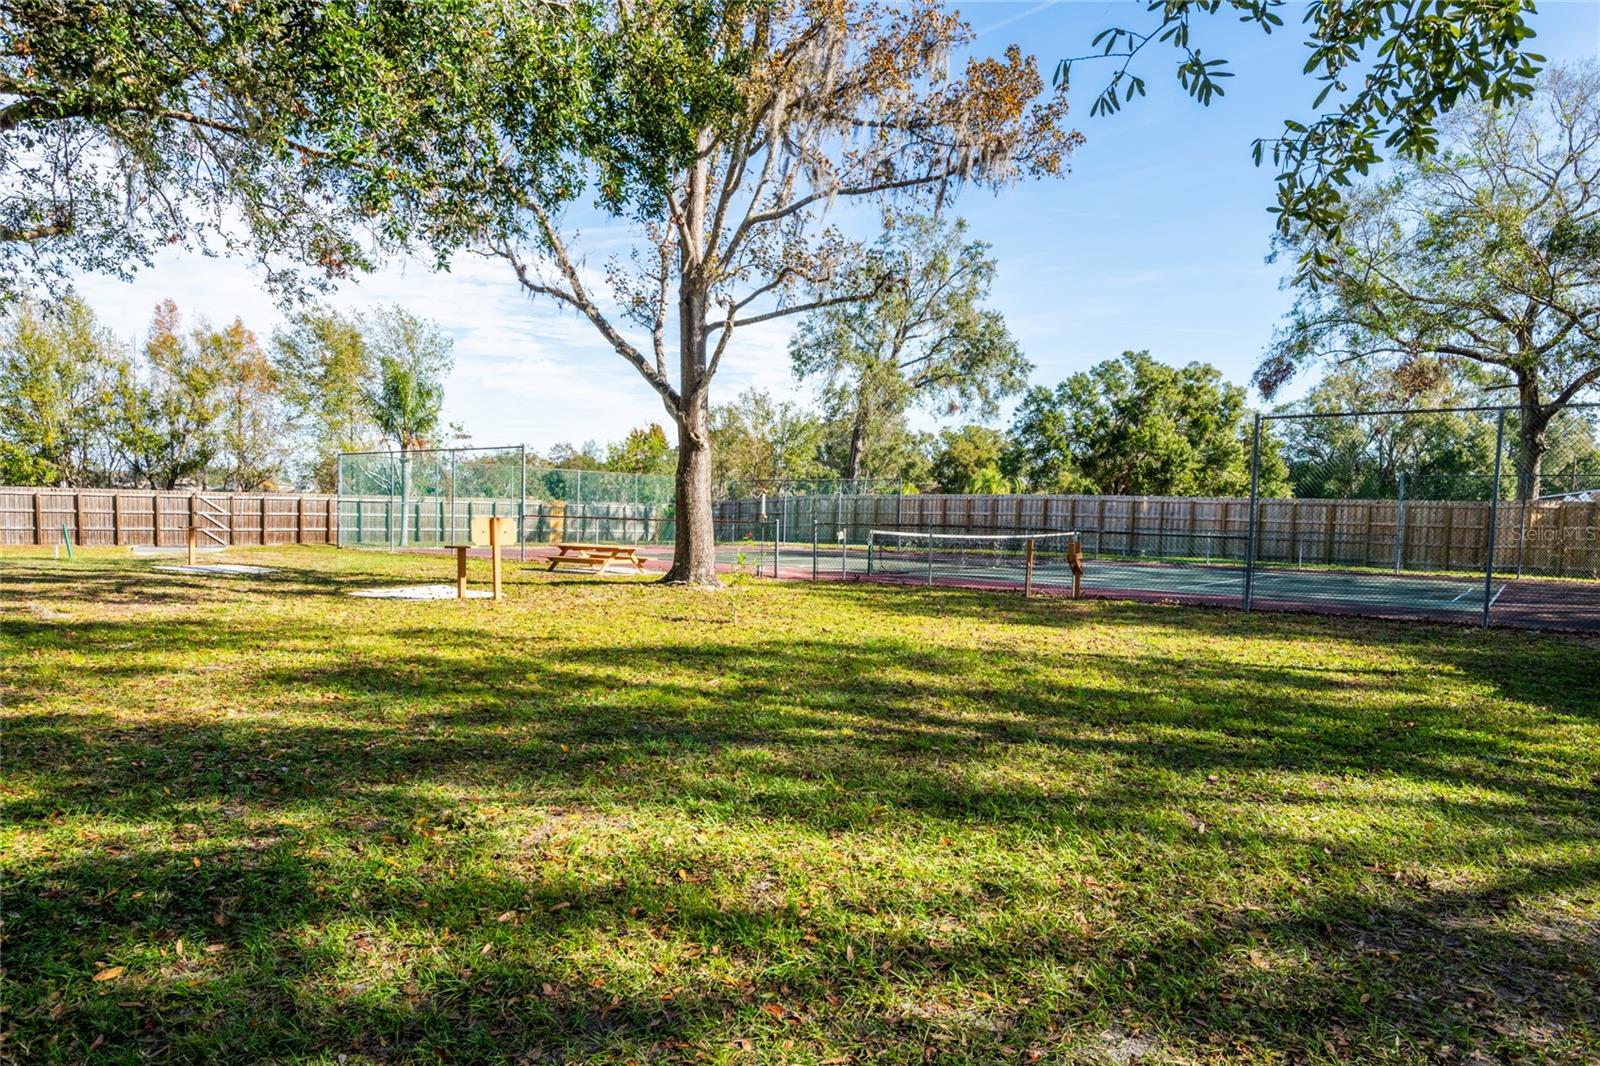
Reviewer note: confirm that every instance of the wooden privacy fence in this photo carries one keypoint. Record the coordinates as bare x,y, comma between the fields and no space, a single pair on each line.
162,519
1549,537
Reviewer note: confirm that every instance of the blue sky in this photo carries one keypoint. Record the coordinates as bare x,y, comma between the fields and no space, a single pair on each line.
1157,239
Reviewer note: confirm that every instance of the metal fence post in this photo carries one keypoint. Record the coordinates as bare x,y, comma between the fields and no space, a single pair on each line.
1400,525
338,493
1250,537
522,502
1494,513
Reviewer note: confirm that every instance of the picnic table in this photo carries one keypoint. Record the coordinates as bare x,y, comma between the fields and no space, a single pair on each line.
597,558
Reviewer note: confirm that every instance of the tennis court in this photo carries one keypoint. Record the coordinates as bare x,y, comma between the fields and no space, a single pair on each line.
967,562
1538,603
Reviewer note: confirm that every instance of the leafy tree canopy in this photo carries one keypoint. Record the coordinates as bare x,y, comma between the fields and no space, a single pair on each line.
642,451
1135,426
309,131
1486,257
925,338
968,460
759,443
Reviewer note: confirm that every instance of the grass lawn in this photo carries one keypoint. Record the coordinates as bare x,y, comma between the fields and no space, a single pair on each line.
256,819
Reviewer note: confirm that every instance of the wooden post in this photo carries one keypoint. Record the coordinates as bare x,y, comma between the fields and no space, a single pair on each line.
330,534
1075,560
300,520
116,518
191,543
494,554
1027,580
193,516
461,572
155,529
38,520
77,518
263,521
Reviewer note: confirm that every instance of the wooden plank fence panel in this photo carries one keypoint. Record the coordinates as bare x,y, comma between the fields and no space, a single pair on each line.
142,517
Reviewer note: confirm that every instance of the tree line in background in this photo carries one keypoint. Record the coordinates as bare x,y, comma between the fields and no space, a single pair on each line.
1135,426
208,407
321,137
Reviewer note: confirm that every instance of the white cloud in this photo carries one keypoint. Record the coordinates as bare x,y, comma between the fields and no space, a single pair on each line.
526,369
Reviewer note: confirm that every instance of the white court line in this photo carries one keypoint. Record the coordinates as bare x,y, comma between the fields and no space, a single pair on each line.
1497,594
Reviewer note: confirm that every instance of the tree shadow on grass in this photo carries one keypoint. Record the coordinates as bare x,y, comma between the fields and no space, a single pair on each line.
323,765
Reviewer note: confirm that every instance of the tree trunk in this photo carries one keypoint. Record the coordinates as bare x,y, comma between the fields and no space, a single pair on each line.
694,556
1531,440
1531,446
694,550
858,442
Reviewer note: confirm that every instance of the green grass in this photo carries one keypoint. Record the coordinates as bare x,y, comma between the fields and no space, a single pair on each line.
610,821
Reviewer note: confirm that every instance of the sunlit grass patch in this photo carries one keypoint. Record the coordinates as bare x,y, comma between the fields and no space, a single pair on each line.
610,821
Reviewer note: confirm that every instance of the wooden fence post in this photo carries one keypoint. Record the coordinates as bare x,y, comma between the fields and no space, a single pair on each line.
38,520
116,518
77,518
300,520
155,529
330,532
263,520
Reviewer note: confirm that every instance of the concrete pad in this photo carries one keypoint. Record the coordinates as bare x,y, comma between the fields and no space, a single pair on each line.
420,592
227,569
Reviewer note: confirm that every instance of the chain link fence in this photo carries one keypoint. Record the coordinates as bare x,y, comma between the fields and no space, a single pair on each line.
1463,515
1472,515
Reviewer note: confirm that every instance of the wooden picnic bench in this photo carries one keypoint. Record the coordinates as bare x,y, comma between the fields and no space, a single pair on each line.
597,558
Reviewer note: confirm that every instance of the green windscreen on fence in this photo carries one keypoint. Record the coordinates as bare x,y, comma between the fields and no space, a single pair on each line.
426,498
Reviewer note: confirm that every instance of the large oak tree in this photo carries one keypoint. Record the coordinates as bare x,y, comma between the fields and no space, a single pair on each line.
730,130
306,132
1487,256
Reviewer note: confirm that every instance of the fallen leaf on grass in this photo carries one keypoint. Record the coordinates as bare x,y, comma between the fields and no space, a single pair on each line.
110,973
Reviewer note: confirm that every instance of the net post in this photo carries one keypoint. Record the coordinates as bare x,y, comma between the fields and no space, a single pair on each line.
522,503
813,544
1255,486
1027,579
930,556
869,550
1494,513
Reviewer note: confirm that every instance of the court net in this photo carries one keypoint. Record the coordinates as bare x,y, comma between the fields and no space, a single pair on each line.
987,558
